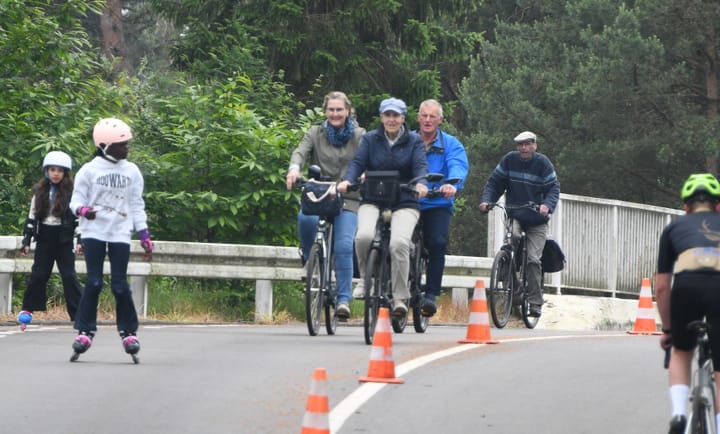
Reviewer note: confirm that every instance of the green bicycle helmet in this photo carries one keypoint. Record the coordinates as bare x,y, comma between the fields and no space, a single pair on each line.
698,183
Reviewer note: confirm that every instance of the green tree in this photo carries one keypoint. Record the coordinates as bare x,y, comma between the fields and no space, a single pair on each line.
215,169
51,91
596,82
411,49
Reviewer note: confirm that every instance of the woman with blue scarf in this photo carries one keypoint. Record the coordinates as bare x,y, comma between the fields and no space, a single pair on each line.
331,146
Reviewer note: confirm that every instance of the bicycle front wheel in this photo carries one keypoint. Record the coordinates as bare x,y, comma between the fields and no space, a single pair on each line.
372,295
500,293
418,286
314,282
330,297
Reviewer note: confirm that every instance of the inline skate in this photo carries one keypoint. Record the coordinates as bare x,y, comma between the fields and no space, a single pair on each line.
131,344
24,318
82,343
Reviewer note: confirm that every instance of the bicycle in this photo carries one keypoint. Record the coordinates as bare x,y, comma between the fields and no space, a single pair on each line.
701,416
378,282
418,264
320,289
508,276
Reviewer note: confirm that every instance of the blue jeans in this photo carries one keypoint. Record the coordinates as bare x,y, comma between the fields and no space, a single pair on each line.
345,226
119,255
436,227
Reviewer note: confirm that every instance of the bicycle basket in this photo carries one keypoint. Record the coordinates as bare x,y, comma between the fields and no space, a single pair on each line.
321,198
382,187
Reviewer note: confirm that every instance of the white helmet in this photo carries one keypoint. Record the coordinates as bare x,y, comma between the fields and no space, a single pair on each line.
110,130
525,136
57,158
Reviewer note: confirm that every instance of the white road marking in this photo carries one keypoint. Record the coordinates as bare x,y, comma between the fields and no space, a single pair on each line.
342,412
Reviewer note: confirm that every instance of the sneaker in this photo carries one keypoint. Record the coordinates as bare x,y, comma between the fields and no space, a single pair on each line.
429,306
535,310
677,424
399,309
343,311
359,291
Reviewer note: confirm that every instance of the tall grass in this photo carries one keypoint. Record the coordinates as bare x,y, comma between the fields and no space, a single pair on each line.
175,299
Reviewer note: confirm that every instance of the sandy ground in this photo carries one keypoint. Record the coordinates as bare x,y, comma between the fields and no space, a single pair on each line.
572,312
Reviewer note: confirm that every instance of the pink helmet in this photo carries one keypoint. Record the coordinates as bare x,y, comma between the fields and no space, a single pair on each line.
110,130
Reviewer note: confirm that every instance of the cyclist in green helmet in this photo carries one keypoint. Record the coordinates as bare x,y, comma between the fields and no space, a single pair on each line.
690,252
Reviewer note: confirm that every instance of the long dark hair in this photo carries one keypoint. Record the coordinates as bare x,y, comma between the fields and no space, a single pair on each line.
63,191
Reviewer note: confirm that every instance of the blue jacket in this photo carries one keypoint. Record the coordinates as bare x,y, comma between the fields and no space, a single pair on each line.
445,155
407,156
522,182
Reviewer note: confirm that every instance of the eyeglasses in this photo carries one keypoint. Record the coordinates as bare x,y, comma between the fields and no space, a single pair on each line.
525,143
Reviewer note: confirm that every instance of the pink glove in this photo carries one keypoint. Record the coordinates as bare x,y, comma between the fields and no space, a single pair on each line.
86,211
145,241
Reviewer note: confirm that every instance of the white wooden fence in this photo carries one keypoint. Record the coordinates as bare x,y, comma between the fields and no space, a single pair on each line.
610,245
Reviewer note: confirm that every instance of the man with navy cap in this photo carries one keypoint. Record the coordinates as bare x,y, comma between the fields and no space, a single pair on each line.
526,176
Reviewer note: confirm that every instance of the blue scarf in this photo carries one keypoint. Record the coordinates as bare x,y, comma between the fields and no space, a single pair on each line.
52,189
339,138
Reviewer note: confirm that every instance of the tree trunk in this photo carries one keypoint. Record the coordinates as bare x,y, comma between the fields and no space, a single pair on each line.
114,45
711,88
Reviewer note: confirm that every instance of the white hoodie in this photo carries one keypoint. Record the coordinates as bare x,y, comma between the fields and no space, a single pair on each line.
114,191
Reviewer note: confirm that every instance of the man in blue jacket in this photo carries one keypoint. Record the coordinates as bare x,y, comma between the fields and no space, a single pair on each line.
526,176
445,154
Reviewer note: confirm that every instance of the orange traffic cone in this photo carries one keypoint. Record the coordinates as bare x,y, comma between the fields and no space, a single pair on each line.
645,321
316,419
382,366
478,331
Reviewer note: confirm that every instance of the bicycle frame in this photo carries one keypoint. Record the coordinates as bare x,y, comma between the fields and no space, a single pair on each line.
324,239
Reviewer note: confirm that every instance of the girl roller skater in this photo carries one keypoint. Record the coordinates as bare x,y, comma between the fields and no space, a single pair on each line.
52,224
108,201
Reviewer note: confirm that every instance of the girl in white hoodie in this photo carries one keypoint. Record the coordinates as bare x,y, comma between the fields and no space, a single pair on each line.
108,201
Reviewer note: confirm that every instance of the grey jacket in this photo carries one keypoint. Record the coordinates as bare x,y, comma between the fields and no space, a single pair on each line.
314,148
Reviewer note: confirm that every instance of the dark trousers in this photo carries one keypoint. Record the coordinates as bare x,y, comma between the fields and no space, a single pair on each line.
119,255
48,251
436,227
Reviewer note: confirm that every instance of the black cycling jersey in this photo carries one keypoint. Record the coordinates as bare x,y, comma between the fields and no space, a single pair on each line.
698,229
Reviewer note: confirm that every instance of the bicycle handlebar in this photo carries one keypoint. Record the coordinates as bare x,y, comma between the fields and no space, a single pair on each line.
300,183
531,205
430,177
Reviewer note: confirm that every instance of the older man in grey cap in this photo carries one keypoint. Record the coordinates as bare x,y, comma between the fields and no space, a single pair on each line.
526,176
391,147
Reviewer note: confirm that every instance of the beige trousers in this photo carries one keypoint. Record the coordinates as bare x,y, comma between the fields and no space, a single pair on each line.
401,229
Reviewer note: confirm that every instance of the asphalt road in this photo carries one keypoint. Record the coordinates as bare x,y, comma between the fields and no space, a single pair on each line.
256,379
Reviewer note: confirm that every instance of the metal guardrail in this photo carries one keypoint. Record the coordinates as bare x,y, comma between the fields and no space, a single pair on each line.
263,264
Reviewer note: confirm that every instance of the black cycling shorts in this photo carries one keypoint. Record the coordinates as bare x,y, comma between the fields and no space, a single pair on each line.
695,296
